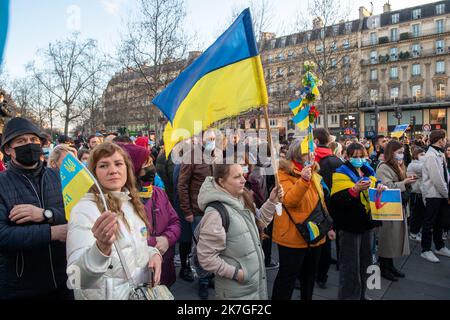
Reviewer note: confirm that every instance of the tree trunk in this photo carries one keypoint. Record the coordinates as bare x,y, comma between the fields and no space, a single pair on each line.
67,119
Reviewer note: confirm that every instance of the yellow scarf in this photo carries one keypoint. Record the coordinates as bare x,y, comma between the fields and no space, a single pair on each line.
342,182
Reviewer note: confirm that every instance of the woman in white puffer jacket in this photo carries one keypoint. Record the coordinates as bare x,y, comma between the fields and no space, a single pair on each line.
93,263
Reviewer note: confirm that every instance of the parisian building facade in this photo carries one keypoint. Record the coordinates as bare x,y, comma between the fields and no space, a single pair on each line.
378,71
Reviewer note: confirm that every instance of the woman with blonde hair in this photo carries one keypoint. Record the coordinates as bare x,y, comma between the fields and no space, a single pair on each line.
58,154
93,230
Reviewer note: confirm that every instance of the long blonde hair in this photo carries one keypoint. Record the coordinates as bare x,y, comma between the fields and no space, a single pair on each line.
114,204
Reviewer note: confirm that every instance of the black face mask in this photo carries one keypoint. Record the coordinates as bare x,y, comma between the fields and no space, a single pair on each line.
28,155
149,176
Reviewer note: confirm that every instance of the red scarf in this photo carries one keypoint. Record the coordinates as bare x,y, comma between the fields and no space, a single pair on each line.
299,166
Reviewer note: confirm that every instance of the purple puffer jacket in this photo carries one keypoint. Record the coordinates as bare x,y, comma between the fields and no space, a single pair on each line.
164,221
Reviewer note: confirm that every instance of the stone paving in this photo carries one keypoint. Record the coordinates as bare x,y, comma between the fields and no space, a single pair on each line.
423,281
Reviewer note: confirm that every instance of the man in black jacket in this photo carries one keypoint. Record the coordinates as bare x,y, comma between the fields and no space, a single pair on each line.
328,164
33,227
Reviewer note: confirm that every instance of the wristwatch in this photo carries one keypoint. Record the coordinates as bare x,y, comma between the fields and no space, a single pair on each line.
48,215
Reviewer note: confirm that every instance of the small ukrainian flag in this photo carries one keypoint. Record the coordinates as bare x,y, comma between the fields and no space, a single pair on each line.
75,182
386,205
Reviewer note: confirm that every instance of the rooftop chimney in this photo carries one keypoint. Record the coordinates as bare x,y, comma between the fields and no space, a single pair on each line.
387,7
317,23
363,13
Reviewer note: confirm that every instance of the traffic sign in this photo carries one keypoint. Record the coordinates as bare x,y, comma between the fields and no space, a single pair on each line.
426,127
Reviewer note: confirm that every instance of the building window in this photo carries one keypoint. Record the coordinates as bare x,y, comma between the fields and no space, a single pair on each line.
346,61
346,44
333,82
273,122
373,38
373,95
269,73
440,26
440,8
394,73
417,13
394,93
394,34
291,54
373,74
281,57
273,43
373,57
333,46
395,18
416,91
440,91
440,67
416,30
334,119
280,72
319,48
322,33
394,55
333,63
347,80
415,48
308,36
416,69
440,46
335,29
438,116
348,27
283,42
270,59
271,90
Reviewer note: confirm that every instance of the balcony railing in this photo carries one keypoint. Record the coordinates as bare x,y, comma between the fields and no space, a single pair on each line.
406,101
405,36
406,55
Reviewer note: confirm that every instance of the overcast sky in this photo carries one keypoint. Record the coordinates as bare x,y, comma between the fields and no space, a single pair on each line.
33,24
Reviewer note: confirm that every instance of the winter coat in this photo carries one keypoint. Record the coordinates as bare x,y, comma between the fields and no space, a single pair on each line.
164,168
257,183
103,277
415,168
350,213
31,264
223,253
328,166
393,241
435,185
186,229
301,197
165,222
193,173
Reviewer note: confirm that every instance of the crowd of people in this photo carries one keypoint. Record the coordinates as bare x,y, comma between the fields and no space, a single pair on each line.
216,213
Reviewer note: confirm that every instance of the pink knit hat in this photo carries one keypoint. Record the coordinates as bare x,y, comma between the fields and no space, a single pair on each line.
138,155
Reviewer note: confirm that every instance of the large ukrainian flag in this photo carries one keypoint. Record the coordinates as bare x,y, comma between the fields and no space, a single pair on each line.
226,80
387,206
75,182
4,17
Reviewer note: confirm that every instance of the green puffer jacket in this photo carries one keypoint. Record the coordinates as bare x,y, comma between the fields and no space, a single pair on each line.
240,247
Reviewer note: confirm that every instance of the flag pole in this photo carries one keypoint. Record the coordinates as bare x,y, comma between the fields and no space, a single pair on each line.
270,142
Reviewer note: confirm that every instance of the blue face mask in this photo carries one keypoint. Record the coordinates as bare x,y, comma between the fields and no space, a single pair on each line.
210,145
85,163
357,162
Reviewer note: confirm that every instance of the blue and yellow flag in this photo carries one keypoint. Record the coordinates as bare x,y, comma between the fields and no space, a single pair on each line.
386,205
75,182
4,19
399,130
226,80
302,118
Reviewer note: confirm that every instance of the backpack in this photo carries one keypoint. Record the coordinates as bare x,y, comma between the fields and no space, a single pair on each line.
196,268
